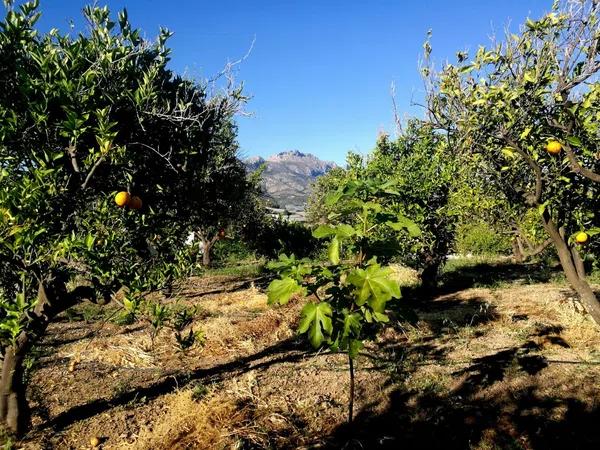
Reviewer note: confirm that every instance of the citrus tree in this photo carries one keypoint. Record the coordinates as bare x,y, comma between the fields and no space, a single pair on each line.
421,170
422,167
105,157
528,109
349,295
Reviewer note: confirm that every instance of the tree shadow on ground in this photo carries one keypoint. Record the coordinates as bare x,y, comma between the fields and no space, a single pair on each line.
484,275
521,416
290,350
444,316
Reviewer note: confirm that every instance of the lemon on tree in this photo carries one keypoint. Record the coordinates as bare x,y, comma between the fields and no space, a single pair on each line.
581,237
553,147
122,199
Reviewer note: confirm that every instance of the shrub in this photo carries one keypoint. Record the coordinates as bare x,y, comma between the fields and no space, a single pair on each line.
480,239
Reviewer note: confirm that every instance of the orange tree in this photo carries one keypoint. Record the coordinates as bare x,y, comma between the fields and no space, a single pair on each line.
424,172
350,294
527,109
420,171
81,118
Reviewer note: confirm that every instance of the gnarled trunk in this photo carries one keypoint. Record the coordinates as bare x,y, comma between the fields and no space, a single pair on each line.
52,300
572,265
206,249
518,251
207,245
14,411
521,254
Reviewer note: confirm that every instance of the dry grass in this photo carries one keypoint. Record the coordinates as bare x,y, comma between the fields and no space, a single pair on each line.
405,276
189,424
434,366
230,416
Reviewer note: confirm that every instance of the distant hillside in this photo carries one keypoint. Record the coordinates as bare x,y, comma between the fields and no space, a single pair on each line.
287,177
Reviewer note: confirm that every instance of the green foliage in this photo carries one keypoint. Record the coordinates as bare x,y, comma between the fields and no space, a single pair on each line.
270,236
316,209
85,116
350,294
82,117
418,173
481,239
505,103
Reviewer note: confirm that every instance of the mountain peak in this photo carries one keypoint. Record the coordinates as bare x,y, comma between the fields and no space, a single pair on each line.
291,154
288,175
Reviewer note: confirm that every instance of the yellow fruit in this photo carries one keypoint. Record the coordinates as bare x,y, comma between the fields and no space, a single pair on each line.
122,199
94,442
553,147
135,202
581,237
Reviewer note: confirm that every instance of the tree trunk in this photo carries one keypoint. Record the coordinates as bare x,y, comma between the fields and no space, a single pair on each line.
430,275
520,254
573,268
207,247
351,399
14,411
517,250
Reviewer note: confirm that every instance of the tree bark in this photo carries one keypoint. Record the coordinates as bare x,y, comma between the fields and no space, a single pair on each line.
52,300
573,267
207,245
517,246
430,275
14,411
521,254
206,249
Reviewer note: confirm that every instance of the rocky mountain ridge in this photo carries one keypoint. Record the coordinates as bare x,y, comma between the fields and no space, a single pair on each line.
288,175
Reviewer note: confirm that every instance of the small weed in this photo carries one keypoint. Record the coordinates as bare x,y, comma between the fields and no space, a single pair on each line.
199,391
120,388
6,440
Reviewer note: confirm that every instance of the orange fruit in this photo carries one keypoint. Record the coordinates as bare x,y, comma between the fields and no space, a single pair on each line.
122,199
553,147
135,202
581,237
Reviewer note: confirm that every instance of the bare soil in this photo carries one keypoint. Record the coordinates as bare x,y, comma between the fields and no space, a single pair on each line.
505,366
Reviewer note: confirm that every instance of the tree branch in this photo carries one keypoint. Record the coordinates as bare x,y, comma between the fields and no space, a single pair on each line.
535,198
91,172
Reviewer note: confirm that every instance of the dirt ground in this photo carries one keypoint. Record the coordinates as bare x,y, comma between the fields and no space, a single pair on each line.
501,366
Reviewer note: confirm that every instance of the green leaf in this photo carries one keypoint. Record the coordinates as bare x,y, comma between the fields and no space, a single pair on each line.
89,242
344,231
374,286
323,231
316,321
352,324
527,130
354,348
380,317
508,152
333,198
574,140
280,291
333,251
404,223
530,76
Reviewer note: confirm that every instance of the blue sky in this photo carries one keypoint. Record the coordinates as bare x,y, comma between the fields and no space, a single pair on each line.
320,71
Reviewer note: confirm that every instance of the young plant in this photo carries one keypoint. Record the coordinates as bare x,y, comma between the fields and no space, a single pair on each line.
351,289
